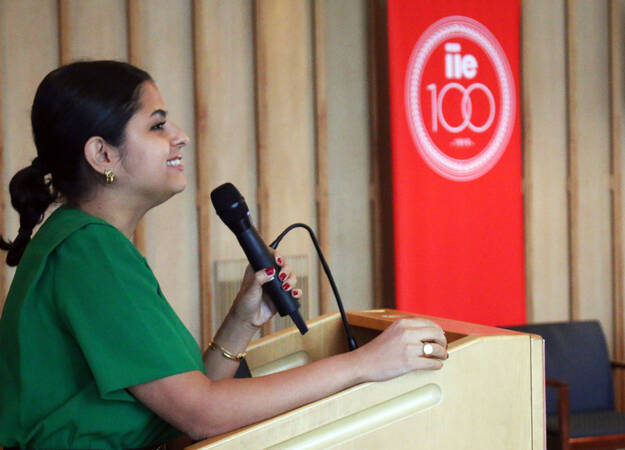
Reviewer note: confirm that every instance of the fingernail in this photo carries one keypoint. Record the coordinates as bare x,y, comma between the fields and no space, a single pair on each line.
279,260
270,271
286,286
282,276
295,292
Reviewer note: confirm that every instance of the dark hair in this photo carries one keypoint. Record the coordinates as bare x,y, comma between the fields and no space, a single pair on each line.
73,103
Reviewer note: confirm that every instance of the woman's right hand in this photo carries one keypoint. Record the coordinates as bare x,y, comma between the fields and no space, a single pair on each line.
399,349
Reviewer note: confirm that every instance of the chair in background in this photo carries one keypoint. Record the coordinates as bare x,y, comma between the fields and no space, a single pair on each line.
580,387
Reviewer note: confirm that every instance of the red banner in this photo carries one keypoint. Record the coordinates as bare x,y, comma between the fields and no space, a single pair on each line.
454,85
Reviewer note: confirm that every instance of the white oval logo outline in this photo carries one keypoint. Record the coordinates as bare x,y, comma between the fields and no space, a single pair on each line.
446,166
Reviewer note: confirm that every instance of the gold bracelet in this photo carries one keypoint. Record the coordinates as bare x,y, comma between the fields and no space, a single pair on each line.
232,356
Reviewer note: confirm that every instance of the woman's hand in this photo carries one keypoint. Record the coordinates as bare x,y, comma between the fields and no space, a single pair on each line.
251,306
400,349
249,311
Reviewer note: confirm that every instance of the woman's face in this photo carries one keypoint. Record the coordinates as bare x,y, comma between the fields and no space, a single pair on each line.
151,167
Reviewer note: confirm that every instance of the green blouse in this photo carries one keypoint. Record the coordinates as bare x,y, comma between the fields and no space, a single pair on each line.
85,319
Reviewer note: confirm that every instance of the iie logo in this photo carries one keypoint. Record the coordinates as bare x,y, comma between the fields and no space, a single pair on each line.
460,98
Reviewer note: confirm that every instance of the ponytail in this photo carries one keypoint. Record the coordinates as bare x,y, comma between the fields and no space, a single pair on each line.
30,196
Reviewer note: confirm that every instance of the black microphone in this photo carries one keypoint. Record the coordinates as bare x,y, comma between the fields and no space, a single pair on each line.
231,208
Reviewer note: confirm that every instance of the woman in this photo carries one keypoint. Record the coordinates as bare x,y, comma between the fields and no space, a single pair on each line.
91,353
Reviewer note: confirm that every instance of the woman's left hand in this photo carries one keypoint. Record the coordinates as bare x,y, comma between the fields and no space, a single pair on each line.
251,305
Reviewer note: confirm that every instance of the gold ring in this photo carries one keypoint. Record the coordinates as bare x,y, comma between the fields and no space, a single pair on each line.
428,349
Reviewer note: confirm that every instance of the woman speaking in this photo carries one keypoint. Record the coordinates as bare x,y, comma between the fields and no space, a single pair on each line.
91,353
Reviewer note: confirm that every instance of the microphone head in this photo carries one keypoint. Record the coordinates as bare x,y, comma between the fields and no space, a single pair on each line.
230,205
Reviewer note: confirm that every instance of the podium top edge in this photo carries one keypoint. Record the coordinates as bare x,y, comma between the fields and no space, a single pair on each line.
380,319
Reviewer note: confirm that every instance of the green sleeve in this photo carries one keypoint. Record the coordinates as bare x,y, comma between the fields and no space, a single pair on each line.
112,304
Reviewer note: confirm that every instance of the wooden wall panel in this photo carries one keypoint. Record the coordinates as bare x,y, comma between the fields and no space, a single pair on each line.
29,43
545,144
93,30
165,47
286,137
226,137
590,159
348,149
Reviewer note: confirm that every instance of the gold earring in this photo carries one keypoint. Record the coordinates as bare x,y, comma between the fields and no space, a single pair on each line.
110,176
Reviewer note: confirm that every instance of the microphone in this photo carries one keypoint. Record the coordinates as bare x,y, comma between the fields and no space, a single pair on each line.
231,208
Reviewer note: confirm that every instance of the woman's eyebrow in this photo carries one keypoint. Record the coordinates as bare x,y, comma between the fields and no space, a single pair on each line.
159,112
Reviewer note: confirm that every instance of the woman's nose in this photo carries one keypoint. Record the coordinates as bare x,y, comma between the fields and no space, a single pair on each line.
180,138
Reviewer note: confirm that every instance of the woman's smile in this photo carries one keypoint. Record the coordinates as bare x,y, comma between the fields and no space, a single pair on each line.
175,163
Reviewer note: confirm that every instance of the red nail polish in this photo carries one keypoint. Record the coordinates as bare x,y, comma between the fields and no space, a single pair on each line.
270,271
279,260
282,276
286,286
295,291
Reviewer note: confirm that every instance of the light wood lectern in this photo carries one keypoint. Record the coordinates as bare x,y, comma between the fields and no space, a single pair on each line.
489,394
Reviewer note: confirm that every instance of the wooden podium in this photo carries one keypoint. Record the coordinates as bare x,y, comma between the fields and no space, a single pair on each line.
488,395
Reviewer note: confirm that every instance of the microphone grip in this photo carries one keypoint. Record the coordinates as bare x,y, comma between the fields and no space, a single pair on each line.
260,257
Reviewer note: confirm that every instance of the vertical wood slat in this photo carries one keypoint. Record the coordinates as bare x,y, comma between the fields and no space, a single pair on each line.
203,189
321,144
381,197
262,148
65,32
572,184
590,162
135,57
617,118
133,25
285,118
262,194
545,160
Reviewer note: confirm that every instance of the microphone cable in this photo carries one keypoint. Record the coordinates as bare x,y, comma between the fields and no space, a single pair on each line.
351,342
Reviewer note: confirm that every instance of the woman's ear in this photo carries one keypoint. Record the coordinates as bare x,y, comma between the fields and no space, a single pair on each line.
100,155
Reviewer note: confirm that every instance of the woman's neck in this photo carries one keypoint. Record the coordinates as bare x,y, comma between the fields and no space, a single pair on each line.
116,210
